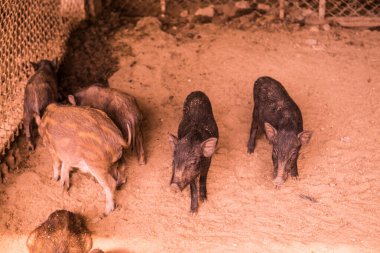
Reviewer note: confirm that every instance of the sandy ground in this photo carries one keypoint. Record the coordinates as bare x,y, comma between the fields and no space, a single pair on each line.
336,83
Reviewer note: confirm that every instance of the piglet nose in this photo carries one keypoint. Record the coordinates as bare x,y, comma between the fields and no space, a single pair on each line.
278,181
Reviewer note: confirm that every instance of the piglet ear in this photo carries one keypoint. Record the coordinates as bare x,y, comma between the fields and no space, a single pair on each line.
173,140
209,146
38,119
31,241
305,137
270,131
35,65
72,100
55,64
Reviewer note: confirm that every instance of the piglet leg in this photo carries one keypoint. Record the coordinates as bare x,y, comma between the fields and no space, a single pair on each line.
194,196
108,184
253,132
203,179
65,176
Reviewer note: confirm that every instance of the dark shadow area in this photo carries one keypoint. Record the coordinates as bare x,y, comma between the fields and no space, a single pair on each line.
133,8
89,56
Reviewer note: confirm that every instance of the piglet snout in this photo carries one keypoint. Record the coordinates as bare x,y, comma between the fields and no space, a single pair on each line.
278,181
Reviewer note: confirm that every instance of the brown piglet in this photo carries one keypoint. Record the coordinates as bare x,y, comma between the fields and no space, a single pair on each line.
84,138
121,107
62,232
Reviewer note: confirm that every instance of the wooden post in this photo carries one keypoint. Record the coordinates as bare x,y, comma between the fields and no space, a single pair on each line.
322,9
94,7
67,9
163,8
282,7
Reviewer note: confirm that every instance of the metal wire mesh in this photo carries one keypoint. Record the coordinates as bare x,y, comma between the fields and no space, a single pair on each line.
353,8
311,4
333,8
29,31
174,7
341,8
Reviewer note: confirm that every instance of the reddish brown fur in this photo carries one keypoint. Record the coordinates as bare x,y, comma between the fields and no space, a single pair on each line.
85,138
78,130
62,232
96,251
121,107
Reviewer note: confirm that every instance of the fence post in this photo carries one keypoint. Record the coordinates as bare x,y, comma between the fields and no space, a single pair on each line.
94,8
282,11
322,9
163,8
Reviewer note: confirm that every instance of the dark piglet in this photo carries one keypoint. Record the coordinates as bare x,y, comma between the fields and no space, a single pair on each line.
40,91
121,107
279,117
62,232
192,150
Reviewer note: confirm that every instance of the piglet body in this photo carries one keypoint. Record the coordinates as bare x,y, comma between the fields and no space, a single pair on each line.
193,148
276,114
87,139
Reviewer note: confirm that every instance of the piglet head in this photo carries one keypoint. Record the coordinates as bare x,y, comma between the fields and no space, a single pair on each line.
286,147
187,157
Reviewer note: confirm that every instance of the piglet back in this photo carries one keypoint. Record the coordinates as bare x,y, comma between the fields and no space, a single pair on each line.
82,127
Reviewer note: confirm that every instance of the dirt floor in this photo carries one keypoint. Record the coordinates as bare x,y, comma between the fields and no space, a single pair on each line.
333,76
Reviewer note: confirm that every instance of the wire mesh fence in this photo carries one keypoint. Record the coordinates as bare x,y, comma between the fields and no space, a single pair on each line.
175,7
29,31
353,8
332,8
340,8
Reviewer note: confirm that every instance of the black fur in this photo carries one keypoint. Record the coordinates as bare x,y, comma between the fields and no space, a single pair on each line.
196,142
273,105
40,91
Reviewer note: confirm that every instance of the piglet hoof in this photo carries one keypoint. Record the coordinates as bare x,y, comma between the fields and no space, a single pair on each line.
142,161
202,198
30,147
3,172
119,186
278,181
65,191
194,212
109,208
55,177
194,209
65,185
174,188
250,148
295,178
